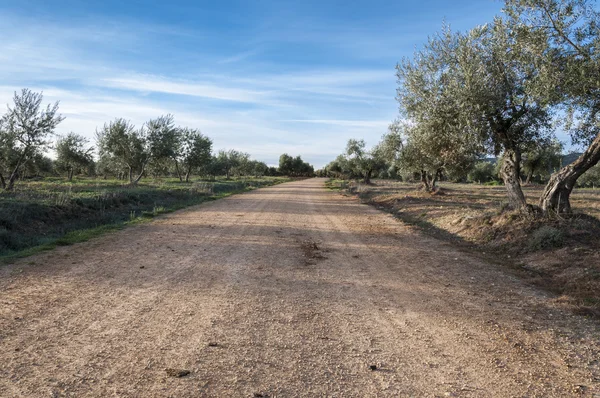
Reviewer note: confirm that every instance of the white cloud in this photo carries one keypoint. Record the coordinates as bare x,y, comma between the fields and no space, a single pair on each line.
345,123
310,111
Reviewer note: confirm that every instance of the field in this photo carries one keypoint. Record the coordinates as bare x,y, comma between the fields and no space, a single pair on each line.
562,254
41,214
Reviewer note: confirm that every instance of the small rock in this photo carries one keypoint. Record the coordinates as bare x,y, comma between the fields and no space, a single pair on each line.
579,389
373,367
177,372
142,267
213,344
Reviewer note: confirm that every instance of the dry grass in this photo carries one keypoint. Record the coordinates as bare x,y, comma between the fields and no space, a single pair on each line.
563,255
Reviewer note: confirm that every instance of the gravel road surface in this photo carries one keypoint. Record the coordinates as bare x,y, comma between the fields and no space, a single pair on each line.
287,291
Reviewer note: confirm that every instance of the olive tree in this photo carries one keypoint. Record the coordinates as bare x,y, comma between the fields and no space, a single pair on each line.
542,161
194,152
24,133
495,70
72,153
229,162
362,161
121,140
157,140
437,138
294,166
567,35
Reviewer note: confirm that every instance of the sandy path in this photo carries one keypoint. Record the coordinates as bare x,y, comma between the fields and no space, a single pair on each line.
301,290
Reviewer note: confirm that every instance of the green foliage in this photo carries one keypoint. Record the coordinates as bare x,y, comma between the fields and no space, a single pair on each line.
195,152
546,237
482,173
72,154
567,35
591,179
542,161
121,144
437,139
294,166
362,162
231,162
24,133
565,38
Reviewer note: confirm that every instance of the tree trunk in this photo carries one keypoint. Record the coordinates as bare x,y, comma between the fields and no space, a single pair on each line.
425,181
434,179
555,198
187,174
13,176
367,178
70,175
139,177
130,175
178,172
2,182
529,175
510,173
11,180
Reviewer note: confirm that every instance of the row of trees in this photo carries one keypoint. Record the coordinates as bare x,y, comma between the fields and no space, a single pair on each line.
499,89
125,151
296,167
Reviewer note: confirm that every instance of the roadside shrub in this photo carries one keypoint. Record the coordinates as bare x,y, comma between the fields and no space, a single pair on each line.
545,238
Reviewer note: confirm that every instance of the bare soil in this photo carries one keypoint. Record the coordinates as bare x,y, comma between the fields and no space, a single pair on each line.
561,254
285,291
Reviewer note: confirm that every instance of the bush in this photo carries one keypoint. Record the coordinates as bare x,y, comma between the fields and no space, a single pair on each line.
546,237
482,172
591,178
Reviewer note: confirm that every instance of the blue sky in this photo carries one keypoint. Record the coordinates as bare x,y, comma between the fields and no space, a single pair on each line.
262,76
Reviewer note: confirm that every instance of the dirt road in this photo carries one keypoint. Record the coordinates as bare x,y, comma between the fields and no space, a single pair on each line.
289,291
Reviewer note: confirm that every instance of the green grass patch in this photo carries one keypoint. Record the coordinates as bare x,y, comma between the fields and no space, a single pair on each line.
40,215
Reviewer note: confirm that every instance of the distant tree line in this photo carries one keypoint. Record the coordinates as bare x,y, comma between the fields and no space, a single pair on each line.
123,150
295,167
500,89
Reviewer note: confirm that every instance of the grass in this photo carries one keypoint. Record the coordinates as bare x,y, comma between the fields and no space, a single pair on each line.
42,214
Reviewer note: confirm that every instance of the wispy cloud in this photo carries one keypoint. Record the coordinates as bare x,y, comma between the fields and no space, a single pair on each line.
100,70
145,83
345,123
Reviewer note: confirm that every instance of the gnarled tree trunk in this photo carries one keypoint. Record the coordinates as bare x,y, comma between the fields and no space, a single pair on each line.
425,181
556,195
434,179
510,173
367,177
529,175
